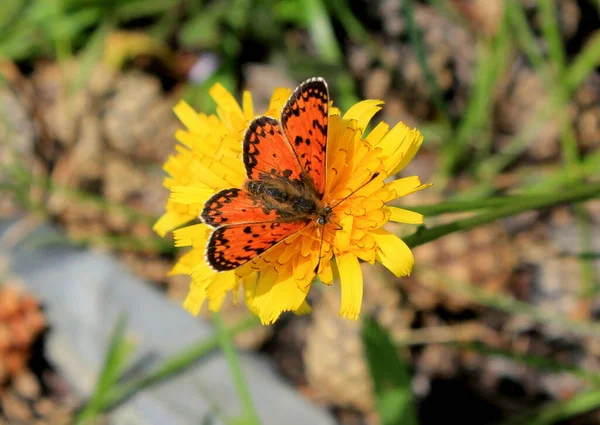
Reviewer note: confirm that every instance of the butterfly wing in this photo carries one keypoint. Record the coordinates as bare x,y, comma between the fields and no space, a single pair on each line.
231,206
267,153
305,120
244,229
232,246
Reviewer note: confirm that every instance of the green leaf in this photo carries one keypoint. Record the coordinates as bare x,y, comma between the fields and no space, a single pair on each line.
391,377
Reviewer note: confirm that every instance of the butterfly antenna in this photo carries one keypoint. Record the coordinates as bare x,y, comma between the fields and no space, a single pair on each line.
373,177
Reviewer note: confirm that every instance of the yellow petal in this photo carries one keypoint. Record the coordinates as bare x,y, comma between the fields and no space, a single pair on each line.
247,105
278,100
220,284
276,294
393,253
225,100
405,186
187,261
377,133
342,237
169,221
410,153
189,117
362,112
326,272
249,284
400,215
216,303
195,235
195,297
191,194
351,281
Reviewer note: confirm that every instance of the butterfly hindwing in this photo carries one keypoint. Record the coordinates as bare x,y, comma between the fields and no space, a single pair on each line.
305,122
230,206
232,246
266,152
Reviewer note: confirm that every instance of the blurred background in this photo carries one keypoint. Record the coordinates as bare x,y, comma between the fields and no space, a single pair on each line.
496,325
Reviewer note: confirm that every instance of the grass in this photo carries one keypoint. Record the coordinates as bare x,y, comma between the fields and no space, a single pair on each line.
67,30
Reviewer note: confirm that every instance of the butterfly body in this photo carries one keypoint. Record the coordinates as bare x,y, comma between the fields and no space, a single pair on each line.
289,199
285,165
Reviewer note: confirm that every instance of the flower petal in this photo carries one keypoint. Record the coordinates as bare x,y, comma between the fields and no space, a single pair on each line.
393,253
220,284
278,100
276,294
400,215
247,105
196,296
362,112
351,280
187,261
409,154
404,186
225,100
191,194
170,220
195,235
190,118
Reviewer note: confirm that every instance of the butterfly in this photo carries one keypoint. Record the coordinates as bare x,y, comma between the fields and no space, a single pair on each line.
285,163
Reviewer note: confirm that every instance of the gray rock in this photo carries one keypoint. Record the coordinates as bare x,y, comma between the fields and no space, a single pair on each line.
84,292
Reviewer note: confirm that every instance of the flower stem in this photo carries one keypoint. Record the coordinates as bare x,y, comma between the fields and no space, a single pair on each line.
575,194
239,380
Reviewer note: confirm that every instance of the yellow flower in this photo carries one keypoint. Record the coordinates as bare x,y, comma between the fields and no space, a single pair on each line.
209,160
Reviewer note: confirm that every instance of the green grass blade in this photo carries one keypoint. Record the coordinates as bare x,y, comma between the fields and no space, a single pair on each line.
512,306
470,205
115,360
329,51
553,413
523,33
417,43
250,416
391,377
584,64
172,366
551,32
576,194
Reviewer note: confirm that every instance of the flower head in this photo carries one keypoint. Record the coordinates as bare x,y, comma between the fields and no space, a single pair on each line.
209,160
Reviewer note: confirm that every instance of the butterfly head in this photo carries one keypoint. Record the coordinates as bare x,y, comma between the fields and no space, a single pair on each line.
324,215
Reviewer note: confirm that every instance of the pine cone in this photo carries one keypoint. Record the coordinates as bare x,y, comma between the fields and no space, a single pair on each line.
21,322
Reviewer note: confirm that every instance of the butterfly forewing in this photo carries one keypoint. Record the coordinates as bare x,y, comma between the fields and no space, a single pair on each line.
305,122
266,152
232,246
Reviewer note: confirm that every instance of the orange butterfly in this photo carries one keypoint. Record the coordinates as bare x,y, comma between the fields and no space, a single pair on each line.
285,166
